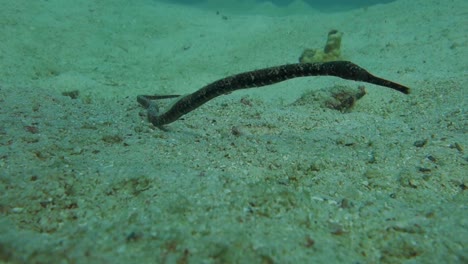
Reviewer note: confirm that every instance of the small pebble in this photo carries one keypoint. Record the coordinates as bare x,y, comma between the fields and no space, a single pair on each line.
17,210
420,143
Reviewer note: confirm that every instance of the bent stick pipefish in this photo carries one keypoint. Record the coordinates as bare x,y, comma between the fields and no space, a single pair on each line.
257,78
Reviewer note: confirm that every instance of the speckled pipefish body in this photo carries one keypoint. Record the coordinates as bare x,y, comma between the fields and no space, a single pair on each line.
258,78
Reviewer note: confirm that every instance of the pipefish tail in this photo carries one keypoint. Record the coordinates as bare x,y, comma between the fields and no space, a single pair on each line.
258,78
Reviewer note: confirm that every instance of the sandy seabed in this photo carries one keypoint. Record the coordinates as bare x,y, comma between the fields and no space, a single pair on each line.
251,177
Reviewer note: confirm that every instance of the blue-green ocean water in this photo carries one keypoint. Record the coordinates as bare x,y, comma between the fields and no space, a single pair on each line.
319,4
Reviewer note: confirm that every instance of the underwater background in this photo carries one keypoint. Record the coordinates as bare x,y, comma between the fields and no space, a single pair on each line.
316,4
309,170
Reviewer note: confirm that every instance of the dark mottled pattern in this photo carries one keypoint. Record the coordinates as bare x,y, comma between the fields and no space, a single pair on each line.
343,69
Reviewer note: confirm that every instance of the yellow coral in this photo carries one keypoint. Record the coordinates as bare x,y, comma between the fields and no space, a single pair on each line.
331,52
